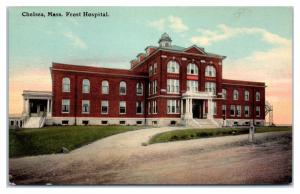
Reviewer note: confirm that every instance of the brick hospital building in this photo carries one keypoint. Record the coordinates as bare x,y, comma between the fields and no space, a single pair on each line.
166,85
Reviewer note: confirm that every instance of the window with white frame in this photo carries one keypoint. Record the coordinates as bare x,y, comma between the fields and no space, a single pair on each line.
122,88
154,86
66,84
224,110
65,106
238,110
139,107
85,106
173,106
210,71
247,95
139,89
150,70
247,111
235,95
105,87
257,111
155,68
104,107
257,96
173,86
214,108
192,69
149,88
85,86
224,93
192,85
210,87
232,110
154,107
122,107
173,67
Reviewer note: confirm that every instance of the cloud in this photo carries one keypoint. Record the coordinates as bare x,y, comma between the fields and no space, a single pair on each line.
208,37
171,23
75,40
273,66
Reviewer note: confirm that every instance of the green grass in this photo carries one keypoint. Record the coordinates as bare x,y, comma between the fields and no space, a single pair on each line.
187,134
48,140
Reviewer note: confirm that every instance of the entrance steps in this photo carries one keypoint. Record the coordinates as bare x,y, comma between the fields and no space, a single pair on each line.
203,123
34,122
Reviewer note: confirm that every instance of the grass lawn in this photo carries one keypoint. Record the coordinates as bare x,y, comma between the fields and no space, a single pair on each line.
48,140
187,134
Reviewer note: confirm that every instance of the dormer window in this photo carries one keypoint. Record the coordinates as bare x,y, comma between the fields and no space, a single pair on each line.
165,40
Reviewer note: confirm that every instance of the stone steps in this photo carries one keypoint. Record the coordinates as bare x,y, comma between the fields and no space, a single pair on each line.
33,122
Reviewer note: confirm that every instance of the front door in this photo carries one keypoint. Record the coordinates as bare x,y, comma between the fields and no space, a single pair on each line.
196,109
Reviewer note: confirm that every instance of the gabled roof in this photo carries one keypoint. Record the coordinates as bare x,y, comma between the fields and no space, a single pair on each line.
201,50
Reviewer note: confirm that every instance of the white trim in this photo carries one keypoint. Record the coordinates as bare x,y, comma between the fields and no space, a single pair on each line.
244,85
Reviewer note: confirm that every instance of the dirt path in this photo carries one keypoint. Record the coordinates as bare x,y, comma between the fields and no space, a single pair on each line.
121,159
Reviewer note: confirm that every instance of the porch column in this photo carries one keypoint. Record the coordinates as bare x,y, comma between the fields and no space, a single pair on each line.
27,106
48,106
191,106
181,107
186,106
209,107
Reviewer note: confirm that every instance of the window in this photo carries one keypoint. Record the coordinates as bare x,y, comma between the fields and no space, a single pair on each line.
85,106
122,88
149,88
154,86
246,111
215,108
139,89
192,86
192,69
85,86
65,106
247,95
149,108
257,111
210,71
122,106
105,87
150,70
223,110
238,110
66,84
232,110
154,107
224,93
12,123
257,96
104,107
173,106
104,122
155,68
139,107
85,122
235,95
122,122
173,67
173,86
65,122
139,122
210,87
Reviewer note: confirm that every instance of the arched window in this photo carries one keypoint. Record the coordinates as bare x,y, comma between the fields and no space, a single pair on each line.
192,69
105,87
235,95
257,96
122,88
139,89
66,84
224,93
85,86
173,67
247,95
150,70
210,71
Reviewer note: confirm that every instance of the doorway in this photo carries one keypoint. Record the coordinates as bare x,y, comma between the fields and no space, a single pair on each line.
37,107
197,109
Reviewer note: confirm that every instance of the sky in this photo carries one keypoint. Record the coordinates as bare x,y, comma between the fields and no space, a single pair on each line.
256,40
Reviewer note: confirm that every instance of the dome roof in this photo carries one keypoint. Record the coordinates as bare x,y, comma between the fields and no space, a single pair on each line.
165,37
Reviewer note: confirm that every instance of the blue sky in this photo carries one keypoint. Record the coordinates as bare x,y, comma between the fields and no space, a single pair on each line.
256,40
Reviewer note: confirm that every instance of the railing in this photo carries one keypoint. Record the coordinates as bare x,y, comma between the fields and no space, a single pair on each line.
42,119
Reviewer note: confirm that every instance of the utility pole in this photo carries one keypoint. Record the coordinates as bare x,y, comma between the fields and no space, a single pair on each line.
252,124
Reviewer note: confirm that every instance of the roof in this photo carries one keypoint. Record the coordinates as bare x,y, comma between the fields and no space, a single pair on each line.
92,69
240,82
165,37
